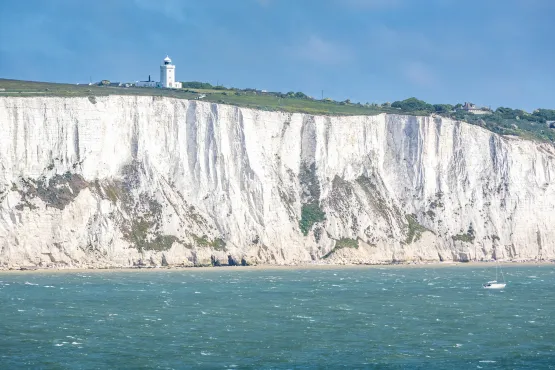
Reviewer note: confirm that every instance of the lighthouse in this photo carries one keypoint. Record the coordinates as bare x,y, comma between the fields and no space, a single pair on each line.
167,77
167,74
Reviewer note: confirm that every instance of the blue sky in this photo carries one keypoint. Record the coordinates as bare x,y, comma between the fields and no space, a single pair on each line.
490,52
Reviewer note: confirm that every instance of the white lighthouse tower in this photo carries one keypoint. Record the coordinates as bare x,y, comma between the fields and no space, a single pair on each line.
167,74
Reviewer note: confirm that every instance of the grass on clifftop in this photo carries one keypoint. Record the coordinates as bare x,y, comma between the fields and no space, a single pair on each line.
30,88
242,98
539,125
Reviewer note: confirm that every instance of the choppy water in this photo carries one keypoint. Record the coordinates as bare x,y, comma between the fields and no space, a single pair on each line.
242,318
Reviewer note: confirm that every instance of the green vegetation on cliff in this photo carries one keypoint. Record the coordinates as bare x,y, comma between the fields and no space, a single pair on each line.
538,125
342,243
310,214
414,229
467,237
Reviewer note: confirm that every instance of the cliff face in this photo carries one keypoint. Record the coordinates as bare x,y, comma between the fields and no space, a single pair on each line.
117,181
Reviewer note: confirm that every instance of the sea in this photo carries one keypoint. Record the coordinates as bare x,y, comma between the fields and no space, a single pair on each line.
427,317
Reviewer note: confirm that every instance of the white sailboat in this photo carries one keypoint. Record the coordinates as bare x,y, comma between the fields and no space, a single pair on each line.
494,284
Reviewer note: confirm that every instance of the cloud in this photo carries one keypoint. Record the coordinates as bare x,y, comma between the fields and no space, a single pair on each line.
419,74
317,50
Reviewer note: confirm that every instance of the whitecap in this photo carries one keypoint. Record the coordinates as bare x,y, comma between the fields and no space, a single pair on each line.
28,283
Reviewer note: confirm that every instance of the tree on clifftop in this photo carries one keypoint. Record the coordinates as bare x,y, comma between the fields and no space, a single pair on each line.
413,105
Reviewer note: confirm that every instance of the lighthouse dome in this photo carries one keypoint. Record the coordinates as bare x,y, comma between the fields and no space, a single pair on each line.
167,60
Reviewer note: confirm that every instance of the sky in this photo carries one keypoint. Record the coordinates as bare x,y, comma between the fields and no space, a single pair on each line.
489,52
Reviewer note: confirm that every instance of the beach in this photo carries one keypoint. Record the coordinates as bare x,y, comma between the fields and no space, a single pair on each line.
308,266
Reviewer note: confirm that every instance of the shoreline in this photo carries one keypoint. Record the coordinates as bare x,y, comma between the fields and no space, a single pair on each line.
308,266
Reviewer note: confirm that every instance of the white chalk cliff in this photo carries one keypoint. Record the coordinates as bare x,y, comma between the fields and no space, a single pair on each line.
123,181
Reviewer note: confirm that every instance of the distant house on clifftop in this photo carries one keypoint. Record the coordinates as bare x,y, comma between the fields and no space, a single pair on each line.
148,83
472,108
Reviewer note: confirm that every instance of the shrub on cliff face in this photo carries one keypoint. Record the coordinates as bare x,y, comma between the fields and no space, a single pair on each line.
415,230
346,243
310,214
342,243
468,237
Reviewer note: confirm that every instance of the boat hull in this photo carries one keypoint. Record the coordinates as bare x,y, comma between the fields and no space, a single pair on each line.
494,286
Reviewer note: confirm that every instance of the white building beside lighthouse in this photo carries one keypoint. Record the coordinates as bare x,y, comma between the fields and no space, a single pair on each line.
167,77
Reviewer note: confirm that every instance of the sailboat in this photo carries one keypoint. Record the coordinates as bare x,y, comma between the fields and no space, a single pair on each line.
494,284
